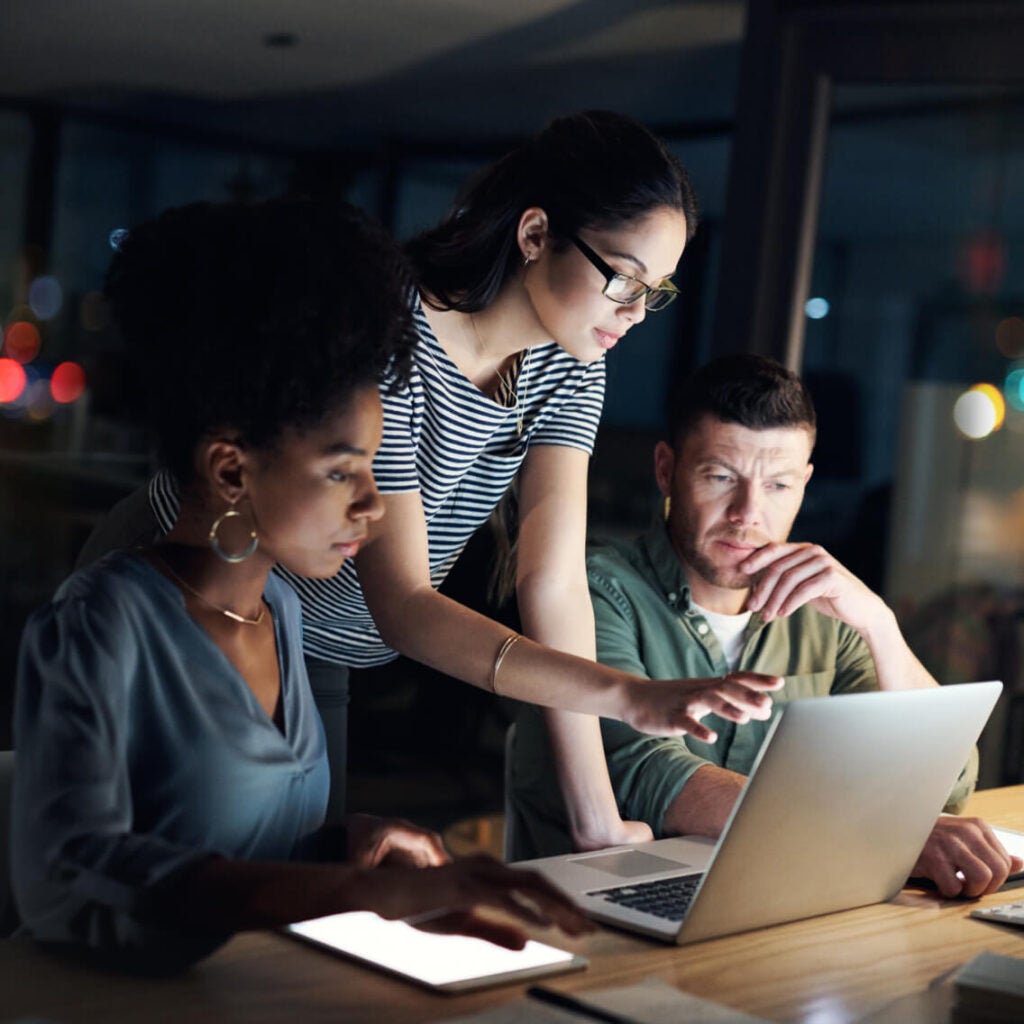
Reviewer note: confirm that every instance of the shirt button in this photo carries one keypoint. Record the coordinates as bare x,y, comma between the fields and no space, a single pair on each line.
672,597
702,628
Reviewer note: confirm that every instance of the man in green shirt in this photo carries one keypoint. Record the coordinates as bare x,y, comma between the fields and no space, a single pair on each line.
717,588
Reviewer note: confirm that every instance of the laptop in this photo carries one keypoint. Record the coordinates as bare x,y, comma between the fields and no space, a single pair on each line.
834,814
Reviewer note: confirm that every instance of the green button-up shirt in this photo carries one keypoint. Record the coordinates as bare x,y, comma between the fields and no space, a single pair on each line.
647,626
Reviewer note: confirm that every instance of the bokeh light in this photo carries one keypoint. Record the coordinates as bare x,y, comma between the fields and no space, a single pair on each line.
979,411
117,237
12,380
22,341
67,382
1010,337
1013,389
817,308
982,262
45,297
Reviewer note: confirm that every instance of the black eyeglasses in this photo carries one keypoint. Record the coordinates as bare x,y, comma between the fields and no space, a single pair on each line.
624,289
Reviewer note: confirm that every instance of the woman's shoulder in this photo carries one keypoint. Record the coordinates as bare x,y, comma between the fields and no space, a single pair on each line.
120,579
107,609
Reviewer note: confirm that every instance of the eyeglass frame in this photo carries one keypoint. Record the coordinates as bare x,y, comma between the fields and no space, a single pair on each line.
610,273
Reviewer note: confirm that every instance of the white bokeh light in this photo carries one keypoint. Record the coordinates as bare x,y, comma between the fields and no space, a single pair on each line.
975,414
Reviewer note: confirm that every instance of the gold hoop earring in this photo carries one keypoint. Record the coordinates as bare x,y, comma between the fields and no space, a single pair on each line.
254,543
527,259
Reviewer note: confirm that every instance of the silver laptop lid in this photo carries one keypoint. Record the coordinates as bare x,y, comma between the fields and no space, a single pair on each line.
838,805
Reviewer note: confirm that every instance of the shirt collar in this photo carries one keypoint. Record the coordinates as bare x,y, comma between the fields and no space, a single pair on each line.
665,564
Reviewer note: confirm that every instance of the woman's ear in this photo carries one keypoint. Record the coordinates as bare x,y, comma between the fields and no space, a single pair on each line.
223,466
532,234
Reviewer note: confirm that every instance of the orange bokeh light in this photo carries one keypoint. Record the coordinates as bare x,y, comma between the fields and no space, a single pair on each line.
12,380
67,382
22,341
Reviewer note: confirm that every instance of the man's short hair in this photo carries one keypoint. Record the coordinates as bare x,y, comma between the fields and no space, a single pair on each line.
751,390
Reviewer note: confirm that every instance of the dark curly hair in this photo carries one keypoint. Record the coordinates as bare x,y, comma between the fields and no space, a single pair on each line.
596,169
754,391
257,318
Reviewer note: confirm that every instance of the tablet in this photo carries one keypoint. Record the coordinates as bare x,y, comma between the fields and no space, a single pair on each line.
444,963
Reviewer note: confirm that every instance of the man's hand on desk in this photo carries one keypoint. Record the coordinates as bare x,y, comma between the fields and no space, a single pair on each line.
964,858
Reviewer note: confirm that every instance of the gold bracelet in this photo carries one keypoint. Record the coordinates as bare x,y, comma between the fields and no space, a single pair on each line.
506,645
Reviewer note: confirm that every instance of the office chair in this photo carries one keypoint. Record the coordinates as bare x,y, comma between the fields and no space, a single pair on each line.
8,914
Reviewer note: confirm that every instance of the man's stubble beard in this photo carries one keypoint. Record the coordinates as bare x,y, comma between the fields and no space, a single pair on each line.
684,540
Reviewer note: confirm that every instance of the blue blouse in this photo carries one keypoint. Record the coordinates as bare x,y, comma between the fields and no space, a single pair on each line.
141,750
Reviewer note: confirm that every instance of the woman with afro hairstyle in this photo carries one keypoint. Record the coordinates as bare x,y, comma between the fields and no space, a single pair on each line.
172,777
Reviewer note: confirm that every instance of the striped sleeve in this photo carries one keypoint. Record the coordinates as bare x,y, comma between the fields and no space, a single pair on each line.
394,466
164,499
575,423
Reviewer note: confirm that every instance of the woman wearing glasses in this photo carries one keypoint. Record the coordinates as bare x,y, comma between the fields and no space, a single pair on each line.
549,258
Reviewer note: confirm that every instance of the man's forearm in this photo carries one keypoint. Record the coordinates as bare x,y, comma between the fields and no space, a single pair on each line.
704,804
897,666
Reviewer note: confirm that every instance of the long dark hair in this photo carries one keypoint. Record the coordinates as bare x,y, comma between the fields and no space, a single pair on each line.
596,169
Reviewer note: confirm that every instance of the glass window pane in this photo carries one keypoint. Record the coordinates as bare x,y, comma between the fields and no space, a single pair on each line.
917,296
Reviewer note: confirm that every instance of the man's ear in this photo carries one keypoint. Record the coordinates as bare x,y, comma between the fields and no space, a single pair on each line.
532,233
223,466
664,466
807,473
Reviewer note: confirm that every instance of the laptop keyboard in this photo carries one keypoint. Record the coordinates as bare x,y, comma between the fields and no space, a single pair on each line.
669,898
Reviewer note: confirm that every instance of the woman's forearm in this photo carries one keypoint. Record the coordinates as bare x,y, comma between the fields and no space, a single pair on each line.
558,614
437,631
224,896
220,895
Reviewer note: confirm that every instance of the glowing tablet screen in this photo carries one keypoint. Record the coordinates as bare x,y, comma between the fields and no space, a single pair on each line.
436,960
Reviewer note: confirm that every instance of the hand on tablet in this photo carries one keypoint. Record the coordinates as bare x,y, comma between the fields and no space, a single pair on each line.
374,841
448,898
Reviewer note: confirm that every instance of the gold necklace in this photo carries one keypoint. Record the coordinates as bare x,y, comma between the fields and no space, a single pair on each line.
510,386
234,616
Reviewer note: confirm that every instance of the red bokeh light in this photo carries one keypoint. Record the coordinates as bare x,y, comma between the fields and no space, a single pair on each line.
12,380
67,382
983,262
22,341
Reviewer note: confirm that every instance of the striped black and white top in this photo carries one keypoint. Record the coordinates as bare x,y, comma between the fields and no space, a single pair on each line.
457,447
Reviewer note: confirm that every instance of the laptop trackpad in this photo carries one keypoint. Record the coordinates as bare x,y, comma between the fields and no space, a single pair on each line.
628,863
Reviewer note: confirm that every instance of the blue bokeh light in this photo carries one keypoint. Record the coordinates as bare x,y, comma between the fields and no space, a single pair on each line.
817,308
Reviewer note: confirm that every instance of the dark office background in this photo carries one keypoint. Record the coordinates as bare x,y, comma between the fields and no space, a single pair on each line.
914,291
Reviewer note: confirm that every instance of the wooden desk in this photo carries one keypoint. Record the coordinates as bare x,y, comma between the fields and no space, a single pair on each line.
875,962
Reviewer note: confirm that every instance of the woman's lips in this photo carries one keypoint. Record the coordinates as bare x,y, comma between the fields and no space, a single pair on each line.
606,339
348,549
